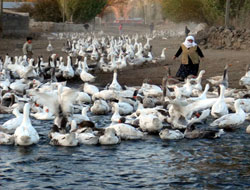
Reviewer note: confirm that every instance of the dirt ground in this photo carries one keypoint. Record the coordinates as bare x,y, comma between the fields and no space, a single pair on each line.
213,64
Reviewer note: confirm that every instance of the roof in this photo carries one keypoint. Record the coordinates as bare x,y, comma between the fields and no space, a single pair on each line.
14,5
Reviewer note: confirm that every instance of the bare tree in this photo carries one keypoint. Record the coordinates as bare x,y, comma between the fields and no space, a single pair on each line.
227,14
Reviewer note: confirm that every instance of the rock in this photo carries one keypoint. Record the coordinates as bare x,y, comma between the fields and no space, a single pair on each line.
212,29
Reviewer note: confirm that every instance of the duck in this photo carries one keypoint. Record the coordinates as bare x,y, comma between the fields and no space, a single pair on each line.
168,134
25,134
6,139
11,125
109,137
231,120
220,107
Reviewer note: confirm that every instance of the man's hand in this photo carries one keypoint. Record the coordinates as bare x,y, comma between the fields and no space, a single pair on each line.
174,57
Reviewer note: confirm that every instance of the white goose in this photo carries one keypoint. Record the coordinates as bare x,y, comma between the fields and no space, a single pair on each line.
220,107
115,85
168,134
109,137
150,122
90,89
6,139
50,47
11,125
233,119
100,107
26,134
58,139
85,76
44,114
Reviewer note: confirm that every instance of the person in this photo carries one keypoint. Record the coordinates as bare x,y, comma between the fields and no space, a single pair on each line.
151,26
191,54
27,47
86,26
120,29
186,31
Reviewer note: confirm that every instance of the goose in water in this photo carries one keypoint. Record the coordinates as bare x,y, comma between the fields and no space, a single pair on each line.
26,134
86,132
44,114
100,107
110,137
168,134
150,123
11,125
126,131
6,139
68,139
192,133
230,121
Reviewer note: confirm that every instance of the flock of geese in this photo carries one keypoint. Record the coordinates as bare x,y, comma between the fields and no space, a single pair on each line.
30,88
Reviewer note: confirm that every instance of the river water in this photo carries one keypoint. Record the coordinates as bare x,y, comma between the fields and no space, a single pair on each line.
150,163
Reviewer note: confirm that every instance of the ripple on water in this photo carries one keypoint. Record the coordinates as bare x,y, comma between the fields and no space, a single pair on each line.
142,164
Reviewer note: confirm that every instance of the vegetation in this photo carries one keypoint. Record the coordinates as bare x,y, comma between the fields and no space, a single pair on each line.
84,10
209,11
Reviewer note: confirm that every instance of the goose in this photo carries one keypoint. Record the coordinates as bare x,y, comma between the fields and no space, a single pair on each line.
245,80
126,132
85,135
78,118
233,119
11,125
109,137
168,134
83,97
115,85
90,89
220,107
60,103
6,139
100,107
49,47
192,133
197,81
216,80
248,129
105,95
149,122
44,114
25,134
68,139
85,76
68,71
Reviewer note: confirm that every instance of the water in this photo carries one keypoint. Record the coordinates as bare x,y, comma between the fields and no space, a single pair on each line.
142,164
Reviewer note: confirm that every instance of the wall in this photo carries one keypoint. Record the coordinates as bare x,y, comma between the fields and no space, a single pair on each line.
15,25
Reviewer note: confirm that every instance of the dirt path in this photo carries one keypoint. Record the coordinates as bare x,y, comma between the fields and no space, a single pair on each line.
213,64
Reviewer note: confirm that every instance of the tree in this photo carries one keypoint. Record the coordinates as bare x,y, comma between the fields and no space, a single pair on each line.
47,10
84,10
